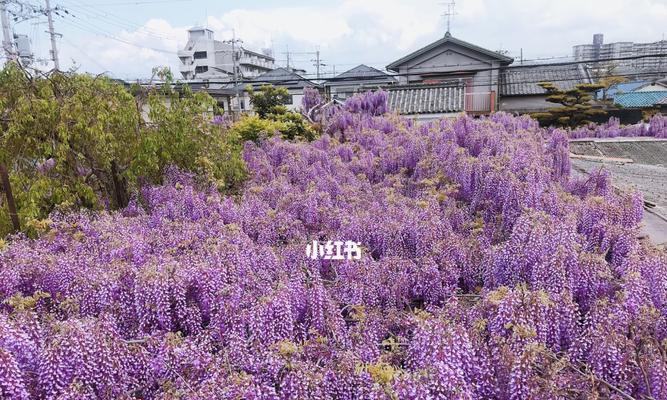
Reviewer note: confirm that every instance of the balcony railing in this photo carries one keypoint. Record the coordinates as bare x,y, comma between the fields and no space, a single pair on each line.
255,62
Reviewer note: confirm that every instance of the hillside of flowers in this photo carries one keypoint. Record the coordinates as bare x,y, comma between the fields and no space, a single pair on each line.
655,127
487,272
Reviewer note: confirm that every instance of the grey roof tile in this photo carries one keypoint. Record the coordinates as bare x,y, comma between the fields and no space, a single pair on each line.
362,71
426,99
640,99
523,80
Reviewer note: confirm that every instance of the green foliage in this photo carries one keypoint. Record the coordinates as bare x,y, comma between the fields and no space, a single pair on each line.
576,108
609,82
273,116
254,128
180,133
294,126
73,140
269,100
290,126
81,124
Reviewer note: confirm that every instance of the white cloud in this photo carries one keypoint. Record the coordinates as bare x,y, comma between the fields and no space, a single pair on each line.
377,32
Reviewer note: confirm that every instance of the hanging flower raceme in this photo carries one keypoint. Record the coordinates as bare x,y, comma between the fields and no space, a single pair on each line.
486,271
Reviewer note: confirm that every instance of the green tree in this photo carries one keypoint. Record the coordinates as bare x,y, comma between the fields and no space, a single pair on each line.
73,140
65,139
608,83
179,133
269,100
272,117
576,106
606,74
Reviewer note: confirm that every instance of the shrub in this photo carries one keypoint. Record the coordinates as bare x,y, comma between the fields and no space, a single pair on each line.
75,140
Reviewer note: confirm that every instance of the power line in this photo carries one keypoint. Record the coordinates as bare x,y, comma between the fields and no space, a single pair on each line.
389,87
82,26
513,68
136,3
86,55
114,20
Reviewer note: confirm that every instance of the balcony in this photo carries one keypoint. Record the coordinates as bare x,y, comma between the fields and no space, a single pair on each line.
186,68
255,63
185,53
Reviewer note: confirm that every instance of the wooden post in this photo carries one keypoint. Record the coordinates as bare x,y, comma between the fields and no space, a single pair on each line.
493,101
7,187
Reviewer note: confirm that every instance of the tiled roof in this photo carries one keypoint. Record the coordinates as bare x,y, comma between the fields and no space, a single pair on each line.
523,80
427,100
623,87
362,71
639,99
280,77
449,39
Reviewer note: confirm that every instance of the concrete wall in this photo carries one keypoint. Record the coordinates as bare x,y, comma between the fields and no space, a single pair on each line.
652,88
419,118
523,104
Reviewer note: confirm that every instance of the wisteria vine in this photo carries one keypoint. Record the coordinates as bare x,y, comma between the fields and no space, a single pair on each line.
488,272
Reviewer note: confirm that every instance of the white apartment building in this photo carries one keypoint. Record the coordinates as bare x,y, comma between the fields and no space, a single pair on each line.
204,58
598,50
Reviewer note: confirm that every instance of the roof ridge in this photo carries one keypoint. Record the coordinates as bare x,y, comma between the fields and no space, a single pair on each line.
444,40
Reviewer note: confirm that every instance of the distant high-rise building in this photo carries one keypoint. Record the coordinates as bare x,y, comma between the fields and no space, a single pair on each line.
600,51
204,57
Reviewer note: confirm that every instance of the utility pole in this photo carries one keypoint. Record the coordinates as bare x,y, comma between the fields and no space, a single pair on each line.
52,33
317,64
6,32
236,76
287,54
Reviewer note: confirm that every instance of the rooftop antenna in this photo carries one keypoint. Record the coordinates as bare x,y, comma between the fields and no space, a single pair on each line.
449,14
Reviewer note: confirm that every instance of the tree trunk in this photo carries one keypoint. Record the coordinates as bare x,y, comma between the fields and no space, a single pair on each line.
120,193
11,206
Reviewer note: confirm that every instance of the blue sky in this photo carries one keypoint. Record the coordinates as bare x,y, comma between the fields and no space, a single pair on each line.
128,37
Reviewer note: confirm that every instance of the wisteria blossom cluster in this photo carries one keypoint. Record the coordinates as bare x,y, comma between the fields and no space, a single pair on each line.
655,127
487,272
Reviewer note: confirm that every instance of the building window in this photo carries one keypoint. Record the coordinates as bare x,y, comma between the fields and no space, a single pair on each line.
288,100
200,69
200,55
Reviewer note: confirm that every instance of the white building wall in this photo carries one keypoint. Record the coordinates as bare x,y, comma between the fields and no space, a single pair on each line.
219,60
